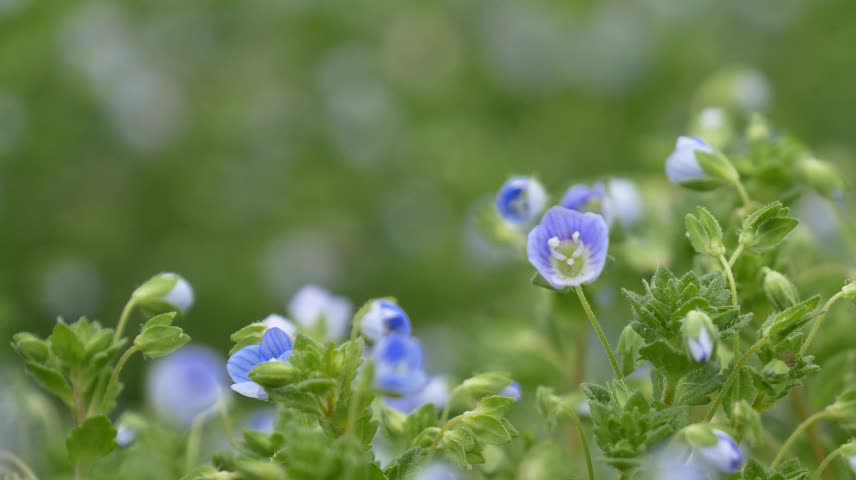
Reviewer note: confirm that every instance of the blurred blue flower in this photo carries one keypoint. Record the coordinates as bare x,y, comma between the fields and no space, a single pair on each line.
262,421
673,464
569,248
624,201
585,198
125,436
313,304
701,348
275,346
682,165
278,321
438,471
186,383
521,200
725,457
399,365
435,392
512,391
384,318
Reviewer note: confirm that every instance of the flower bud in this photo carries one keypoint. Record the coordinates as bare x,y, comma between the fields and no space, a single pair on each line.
165,292
750,420
705,233
31,347
700,334
512,391
758,128
776,370
822,177
629,344
725,456
521,200
696,165
125,436
849,290
780,291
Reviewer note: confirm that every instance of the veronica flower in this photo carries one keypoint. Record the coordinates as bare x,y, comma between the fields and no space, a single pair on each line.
673,464
312,305
725,457
435,392
682,166
275,347
399,365
278,321
186,384
852,461
521,200
569,248
384,318
512,391
262,421
438,471
125,436
165,292
700,334
585,198
624,201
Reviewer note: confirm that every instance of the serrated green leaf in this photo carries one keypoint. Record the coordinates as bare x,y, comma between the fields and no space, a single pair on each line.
66,346
51,380
160,340
91,441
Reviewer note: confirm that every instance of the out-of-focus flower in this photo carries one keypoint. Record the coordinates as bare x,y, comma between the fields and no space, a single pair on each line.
186,383
673,464
436,392
521,200
125,436
278,321
384,318
438,471
399,365
700,334
262,421
164,292
312,305
569,248
275,347
588,198
682,166
512,391
624,201
725,456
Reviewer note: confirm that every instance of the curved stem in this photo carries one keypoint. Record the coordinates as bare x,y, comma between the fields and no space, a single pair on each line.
596,325
800,429
19,464
123,319
826,461
726,267
115,376
584,443
734,256
744,196
451,423
819,321
733,376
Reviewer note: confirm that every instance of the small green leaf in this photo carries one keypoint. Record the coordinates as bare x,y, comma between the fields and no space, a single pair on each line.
784,323
51,380
488,429
160,340
164,319
31,347
90,442
66,345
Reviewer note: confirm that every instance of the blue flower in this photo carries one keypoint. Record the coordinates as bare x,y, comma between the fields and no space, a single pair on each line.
624,201
125,436
384,318
521,200
585,198
278,321
312,305
262,421
682,165
438,471
436,392
399,365
569,248
512,391
725,457
186,384
275,347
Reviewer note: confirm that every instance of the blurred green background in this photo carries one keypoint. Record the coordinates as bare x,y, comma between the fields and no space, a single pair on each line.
256,146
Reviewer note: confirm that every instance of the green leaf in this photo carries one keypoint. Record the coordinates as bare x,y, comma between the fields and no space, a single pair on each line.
705,233
160,340
488,429
51,380
403,466
717,166
163,320
66,345
250,335
31,347
90,442
782,324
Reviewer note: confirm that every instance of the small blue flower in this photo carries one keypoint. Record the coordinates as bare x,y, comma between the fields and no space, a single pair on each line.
384,318
521,200
436,392
399,365
725,457
275,347
186,384
569,248
313,304
262,421
682,165
438,471
512,391
624,201
125,436
701,348
585,198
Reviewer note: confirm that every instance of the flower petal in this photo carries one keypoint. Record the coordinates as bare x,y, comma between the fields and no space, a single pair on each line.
242,362
250,389
275,343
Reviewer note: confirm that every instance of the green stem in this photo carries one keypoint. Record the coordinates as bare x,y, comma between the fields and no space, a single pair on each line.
819,321
726,266
194,439
800,429
451,423
584,443
596,325
829,458
123,319
744,196
733,376
115,376
734,256
20,464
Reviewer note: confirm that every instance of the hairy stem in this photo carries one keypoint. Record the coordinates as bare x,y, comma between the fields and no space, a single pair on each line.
726,266
123,319
451,423
832,456
735,373
20,464
800,429
734,256
114,377
744,196
596,325
819,322
584,443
